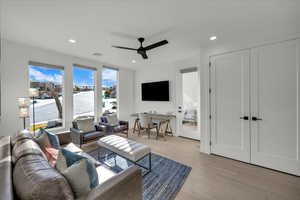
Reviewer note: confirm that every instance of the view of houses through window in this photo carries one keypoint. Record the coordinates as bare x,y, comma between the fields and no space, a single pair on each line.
109,90
49,103
83,91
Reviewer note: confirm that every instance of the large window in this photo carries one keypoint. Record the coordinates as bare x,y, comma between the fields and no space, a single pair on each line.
49,102
109,90
83,91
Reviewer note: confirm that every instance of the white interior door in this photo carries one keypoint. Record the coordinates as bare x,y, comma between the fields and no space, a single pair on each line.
275,99
230,74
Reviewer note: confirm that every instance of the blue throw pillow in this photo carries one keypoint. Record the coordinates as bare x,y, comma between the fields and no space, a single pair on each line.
67,158
53,139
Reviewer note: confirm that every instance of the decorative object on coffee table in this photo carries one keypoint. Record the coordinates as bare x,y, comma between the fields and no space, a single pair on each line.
33,92
23,104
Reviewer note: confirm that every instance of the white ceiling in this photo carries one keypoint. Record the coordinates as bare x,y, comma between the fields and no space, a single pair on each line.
187,24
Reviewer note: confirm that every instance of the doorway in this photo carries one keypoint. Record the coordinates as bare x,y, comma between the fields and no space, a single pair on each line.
188,103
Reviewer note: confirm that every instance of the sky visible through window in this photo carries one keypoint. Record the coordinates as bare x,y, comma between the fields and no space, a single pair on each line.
81,76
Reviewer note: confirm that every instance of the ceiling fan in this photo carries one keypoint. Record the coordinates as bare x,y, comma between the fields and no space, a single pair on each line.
143,50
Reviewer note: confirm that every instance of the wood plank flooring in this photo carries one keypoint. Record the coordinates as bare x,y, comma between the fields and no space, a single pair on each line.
217,178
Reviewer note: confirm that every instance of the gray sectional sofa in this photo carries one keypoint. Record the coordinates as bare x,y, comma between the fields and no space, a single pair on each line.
26,174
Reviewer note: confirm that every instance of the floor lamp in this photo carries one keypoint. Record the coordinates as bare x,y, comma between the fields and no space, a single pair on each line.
33,92
23,109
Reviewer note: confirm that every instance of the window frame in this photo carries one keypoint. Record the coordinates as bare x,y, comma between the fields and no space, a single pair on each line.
94,69
51,66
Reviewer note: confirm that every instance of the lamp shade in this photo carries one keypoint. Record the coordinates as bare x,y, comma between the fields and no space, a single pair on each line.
23,102
33,92
24,112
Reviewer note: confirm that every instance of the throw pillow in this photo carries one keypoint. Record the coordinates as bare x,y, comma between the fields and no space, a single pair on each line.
82,185
43,141
51,155
86,125
70,165
52,139
112,119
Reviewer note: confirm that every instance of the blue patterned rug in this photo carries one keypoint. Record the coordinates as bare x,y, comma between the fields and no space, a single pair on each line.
162,183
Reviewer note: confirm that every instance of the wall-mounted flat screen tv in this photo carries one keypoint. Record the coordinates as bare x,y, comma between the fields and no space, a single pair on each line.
155,91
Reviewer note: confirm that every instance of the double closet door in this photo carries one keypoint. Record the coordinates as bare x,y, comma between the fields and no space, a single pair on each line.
255,106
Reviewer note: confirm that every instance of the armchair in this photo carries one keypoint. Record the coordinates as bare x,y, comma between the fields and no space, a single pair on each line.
114,125
84,131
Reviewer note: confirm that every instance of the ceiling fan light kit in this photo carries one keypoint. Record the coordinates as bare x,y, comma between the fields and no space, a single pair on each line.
143,50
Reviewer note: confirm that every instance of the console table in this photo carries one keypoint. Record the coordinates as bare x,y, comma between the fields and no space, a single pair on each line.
162,118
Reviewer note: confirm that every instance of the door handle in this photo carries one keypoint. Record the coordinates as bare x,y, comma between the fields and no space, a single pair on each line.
256,119
245,118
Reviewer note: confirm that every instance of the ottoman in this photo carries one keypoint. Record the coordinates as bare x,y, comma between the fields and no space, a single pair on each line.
126,148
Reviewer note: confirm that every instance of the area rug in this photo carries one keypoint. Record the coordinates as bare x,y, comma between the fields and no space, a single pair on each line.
162,183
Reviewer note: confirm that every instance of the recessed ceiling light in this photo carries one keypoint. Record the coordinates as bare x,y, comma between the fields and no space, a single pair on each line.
97,54
213,38
72,41
133,61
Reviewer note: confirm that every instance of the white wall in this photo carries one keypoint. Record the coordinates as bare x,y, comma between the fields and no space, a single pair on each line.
126,94
15,82
161,72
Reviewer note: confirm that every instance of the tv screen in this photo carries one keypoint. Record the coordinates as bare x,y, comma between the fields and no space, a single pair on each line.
155,91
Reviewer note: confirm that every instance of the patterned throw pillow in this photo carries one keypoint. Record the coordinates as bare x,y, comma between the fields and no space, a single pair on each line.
70,165
51,155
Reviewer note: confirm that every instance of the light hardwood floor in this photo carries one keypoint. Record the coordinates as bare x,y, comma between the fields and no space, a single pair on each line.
217,178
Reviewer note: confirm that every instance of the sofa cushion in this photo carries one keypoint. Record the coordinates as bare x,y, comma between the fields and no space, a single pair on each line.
72,147
35,179
86,124
26,147
24,134
90,158
93,135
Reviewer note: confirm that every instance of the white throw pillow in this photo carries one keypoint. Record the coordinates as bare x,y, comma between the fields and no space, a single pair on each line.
86,125
112,119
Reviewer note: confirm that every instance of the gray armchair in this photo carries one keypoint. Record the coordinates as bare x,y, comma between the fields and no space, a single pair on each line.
114,125
84,131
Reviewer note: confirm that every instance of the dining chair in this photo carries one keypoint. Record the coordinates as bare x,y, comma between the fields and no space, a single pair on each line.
146,123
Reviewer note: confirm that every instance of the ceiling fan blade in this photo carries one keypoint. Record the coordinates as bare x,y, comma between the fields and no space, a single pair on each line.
158,44
127,48
143,54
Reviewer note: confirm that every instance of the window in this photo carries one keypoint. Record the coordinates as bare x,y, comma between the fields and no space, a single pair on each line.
49,102
109,90
83,91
